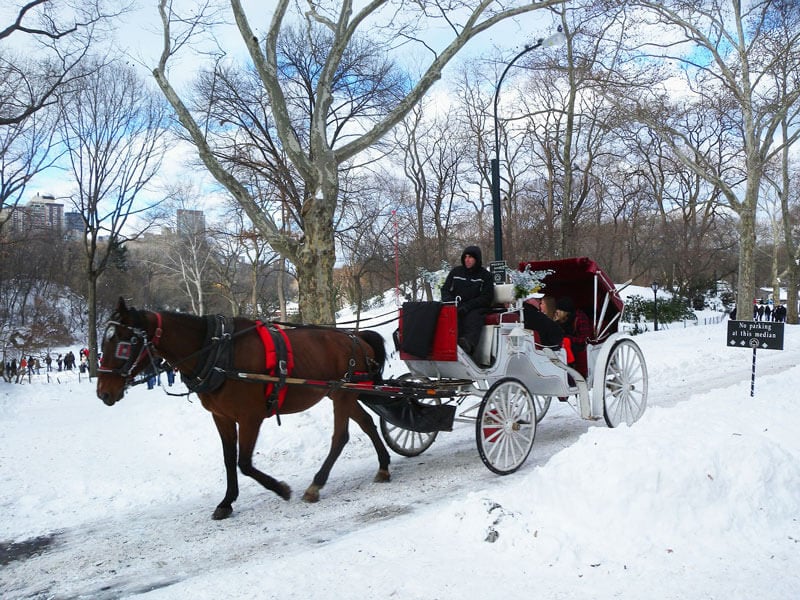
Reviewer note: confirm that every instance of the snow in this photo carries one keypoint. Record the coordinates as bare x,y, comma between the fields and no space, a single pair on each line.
699,499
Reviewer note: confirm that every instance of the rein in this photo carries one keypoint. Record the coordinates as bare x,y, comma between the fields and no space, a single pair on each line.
335,325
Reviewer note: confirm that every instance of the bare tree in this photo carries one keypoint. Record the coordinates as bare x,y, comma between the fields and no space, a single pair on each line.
333,136
472,107
434,150
364,244
57,35
113,128
26,149
42,45
243,261
189,260
727,55
785,76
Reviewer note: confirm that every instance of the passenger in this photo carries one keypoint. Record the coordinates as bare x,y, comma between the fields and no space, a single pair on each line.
541,319
472,287
577,329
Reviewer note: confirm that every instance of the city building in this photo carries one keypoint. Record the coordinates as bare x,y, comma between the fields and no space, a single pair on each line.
73,221
190,222
41,212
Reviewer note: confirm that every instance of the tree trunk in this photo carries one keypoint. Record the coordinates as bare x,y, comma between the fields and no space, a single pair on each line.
747,276
791,292
91,302
315,261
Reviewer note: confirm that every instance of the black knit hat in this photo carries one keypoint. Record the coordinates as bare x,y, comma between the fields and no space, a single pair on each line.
474,252
566,304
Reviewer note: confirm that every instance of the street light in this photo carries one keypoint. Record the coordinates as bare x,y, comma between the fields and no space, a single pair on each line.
654,287
554,40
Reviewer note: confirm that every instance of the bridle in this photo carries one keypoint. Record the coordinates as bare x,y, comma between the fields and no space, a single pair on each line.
134,351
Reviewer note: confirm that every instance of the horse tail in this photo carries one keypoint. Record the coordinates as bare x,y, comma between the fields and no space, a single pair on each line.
376,342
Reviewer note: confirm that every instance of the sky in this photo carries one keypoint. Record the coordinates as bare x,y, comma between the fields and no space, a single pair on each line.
698,499
139,37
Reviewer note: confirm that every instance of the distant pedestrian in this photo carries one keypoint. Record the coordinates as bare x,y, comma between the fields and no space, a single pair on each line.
779,314
48,360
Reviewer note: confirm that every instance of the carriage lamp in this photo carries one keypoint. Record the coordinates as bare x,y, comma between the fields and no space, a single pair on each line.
516,339
654,287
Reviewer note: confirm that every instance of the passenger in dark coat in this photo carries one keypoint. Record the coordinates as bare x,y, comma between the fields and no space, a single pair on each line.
539,316
577,329
472,287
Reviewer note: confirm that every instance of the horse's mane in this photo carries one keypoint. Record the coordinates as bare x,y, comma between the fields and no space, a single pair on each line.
181,316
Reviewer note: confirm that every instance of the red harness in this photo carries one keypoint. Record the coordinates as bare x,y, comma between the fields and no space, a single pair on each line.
272,360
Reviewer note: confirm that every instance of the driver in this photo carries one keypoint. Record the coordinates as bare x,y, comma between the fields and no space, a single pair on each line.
472,287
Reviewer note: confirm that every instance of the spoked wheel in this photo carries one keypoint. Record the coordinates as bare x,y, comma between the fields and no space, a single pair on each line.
506,426
542,404
624,384
405,442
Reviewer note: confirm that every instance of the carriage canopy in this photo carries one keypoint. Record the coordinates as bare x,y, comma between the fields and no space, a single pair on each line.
588,286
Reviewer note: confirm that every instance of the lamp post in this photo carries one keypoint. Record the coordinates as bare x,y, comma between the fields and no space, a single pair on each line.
654,287
554,40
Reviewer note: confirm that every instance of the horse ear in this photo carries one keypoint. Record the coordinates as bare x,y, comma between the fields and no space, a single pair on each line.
121,308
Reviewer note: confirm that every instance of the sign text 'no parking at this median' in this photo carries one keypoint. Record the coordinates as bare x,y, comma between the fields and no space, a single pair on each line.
758,335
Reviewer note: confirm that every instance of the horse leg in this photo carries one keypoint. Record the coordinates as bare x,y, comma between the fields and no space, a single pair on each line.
339,439
248,434
364,420
227,433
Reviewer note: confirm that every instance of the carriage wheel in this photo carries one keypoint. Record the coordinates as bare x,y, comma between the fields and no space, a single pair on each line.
506,426
403,441
542,404
624,385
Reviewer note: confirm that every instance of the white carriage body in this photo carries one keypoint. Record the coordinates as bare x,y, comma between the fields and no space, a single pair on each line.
513,376
507,349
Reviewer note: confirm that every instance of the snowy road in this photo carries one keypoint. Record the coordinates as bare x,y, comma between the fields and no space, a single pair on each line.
127,534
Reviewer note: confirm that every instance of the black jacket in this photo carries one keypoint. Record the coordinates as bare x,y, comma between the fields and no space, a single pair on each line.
474,286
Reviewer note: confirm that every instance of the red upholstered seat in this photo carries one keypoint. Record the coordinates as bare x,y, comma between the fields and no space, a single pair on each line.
495,318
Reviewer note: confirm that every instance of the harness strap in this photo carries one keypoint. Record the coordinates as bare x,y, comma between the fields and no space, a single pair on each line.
353,376
209,375
278,359
157,333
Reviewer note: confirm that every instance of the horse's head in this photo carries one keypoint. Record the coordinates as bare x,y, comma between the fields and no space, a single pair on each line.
126,351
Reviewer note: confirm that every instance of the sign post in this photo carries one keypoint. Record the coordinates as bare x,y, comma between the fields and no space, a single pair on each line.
755,334
498,270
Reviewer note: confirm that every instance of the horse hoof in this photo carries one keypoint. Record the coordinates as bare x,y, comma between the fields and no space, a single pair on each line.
382,476
285,491
312,494
222,512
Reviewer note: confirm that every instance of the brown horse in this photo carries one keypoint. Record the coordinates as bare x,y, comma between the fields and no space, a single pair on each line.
136,340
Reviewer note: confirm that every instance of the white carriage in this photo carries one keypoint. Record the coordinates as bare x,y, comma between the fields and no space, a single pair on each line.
507,384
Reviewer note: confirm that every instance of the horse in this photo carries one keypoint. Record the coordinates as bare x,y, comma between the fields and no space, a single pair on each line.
135,341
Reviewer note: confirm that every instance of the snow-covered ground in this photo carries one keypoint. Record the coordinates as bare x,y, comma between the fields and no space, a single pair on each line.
699,499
